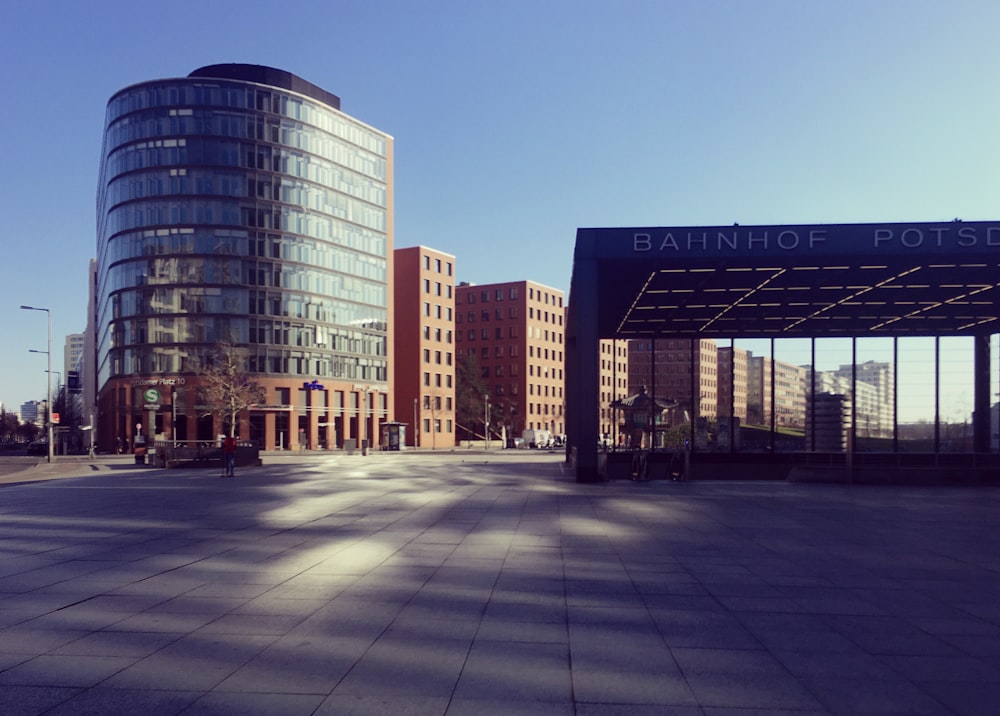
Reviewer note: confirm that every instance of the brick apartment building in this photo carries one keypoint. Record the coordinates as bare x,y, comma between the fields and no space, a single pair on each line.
423,332
676,369
614,385
516,331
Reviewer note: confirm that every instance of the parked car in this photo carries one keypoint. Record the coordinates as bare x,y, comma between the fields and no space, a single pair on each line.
39,447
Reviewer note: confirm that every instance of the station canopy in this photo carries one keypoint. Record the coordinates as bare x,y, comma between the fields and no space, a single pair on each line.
791,281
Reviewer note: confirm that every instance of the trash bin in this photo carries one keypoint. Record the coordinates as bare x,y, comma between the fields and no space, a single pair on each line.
364,448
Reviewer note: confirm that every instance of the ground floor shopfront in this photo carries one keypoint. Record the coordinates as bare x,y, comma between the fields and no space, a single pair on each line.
298,415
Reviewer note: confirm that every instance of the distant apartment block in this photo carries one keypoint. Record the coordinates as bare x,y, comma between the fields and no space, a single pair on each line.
516,332
614,384
677,369
733,373
423,331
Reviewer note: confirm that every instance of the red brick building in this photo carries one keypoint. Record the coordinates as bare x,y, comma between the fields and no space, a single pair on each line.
423,330
516,331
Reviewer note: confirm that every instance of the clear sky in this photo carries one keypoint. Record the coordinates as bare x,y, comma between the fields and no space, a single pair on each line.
516,122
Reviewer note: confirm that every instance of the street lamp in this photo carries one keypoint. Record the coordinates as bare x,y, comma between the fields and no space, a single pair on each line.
486,421
48,368
416,442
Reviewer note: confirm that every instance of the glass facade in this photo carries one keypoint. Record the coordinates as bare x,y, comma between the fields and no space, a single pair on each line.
230,210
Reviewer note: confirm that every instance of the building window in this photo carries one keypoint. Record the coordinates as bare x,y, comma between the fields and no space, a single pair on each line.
427,263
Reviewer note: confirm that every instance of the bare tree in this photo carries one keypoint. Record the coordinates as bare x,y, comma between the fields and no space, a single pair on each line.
227,389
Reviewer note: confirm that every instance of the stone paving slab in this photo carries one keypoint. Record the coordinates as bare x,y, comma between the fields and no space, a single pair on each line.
470,583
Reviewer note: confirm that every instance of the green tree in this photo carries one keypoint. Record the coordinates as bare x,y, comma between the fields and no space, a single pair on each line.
470,395
227,388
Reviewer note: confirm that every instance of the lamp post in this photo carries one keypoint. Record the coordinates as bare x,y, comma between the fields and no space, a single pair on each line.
486,421
48,368
416,430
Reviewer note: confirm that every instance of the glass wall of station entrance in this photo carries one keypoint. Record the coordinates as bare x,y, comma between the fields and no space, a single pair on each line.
865,395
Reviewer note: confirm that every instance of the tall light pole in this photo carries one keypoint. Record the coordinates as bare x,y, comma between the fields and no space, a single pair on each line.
48,368
416,441
486,421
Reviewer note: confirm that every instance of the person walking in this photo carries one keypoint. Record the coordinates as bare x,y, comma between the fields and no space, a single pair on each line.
229,453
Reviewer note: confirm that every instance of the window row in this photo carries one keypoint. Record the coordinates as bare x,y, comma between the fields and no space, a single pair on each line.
448,426
438,288
203,92
370,221
498,333
437,402
439,380
234,123
438,263
440,335
439,357
438,311
208,182
346,173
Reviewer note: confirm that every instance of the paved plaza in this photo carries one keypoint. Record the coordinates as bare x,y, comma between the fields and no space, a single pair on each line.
470,584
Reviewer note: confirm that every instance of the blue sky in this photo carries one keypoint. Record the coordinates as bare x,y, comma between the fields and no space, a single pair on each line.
516,122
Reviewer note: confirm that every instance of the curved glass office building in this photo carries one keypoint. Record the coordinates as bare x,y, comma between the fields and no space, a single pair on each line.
239,204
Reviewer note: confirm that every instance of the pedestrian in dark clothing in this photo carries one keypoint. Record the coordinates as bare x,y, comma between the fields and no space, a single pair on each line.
229,453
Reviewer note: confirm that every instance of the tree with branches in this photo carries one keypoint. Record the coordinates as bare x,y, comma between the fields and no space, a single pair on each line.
227,388
470,392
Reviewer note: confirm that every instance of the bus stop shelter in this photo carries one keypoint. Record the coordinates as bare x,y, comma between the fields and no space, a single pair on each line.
773,282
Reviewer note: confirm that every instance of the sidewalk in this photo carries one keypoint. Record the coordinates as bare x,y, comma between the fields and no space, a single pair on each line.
491,584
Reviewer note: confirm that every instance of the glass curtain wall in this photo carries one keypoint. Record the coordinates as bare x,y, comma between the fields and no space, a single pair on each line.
883,394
